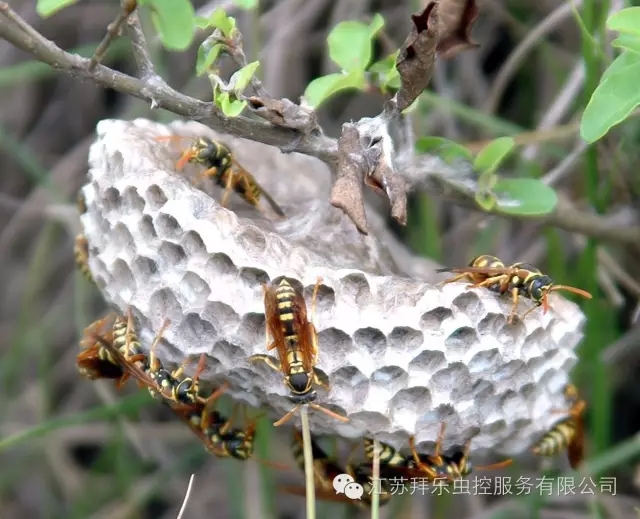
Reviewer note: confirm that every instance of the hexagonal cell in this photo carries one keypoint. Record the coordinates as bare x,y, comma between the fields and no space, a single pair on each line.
155,197
132,201
168,227
146,228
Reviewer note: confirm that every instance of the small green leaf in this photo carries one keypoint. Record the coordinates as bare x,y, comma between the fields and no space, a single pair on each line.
241,78
175,22
524,197
246,4
220,20
612,102
622,61
235,108
448,150
206,58
628,42
202,22
389,77
490,157
321,88
46,8
350,43
625,21
377,23
486,199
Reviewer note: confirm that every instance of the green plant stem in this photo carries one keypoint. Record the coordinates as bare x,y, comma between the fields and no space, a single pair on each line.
375,495
308,463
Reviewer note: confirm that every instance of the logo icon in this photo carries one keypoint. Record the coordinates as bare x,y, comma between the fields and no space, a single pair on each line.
345,484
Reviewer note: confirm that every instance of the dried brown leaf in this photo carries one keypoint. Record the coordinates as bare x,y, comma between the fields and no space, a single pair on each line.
385,181
456,19
417,55
346,193
284,113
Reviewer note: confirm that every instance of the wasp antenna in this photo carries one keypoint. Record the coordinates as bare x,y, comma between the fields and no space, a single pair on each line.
573,290
186,156
200,367
287,416
495,466
326,411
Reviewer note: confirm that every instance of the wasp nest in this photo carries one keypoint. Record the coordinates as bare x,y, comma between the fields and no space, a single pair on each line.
402,354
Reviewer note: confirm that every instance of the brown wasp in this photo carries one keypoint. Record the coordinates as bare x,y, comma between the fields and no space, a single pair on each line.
94,361
568,433
520,279
295,339
225,171
325,469
437,468
81,253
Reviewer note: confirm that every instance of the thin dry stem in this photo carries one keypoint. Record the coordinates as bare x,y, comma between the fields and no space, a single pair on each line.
308,463
186,497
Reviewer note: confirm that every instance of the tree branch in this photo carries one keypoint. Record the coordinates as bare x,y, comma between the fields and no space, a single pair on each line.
153,89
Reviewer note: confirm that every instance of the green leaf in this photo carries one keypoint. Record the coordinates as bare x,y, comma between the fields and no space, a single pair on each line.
486,199
220,20
612,102
490,157
231,108
46,8
448,150
320,89
622,61
628,42
625,21
524,197
246,4
387,72
350,43
206,58
175,22
202,22
241,78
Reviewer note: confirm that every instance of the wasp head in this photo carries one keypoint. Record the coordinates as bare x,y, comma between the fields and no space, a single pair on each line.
538,289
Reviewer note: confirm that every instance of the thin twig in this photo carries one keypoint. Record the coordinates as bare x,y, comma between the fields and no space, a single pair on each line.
19,33
186,497
113,31
510,67
375,496
308,463
140,49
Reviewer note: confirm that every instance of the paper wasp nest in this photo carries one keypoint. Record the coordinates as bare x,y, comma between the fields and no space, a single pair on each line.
402,354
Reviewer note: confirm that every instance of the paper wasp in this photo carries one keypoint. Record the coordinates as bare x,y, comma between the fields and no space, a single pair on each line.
210,427
225,171
520,279
81,203
94,361
437,468
568,433
81,253
295,339
325,469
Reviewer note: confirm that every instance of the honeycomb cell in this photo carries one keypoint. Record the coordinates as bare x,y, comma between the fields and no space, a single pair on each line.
168,227
155,197
132,201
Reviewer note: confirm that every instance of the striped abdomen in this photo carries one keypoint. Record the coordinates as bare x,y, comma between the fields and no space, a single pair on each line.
285,297
557,439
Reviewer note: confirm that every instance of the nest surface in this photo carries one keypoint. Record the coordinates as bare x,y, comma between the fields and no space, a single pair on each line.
402,354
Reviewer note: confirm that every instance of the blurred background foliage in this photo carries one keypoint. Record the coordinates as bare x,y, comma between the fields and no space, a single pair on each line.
72,449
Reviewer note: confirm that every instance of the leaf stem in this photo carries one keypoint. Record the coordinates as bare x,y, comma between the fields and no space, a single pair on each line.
308,463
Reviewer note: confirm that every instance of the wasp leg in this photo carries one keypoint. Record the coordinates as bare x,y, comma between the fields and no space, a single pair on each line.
227,188
454,279
416,458
502,279
272,363
321,379
514,307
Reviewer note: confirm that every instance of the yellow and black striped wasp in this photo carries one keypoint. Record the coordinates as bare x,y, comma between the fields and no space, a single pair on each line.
437,468
519,279
225,171
94,361
568,433
295,339
325,470
81,254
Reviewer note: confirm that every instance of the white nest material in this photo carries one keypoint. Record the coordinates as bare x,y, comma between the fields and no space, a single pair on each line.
402,354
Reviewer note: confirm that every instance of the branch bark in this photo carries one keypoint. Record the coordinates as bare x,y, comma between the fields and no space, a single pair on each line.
154,90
